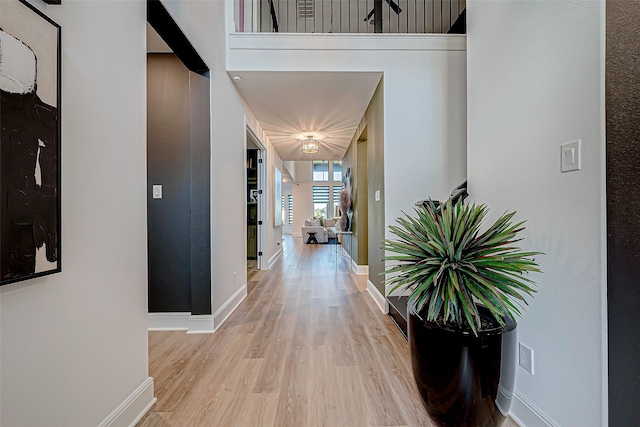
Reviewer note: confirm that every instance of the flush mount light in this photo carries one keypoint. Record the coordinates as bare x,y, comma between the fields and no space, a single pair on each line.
237,78
309,145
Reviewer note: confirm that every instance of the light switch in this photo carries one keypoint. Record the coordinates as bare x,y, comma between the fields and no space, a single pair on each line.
570,156
377,195
157,191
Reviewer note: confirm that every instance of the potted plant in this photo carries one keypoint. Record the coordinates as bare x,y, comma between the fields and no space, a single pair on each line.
466,284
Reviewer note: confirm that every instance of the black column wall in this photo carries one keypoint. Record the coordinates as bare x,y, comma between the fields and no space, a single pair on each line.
623,209
178,158
200,195
169,165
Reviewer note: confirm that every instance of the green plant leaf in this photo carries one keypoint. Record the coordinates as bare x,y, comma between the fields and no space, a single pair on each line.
449,265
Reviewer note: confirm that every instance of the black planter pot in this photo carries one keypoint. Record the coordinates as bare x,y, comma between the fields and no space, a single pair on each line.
464,380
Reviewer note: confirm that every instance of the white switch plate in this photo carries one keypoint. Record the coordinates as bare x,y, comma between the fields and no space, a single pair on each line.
570,156
157,191
377,195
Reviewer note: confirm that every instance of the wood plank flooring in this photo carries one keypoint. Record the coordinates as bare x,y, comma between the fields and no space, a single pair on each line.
307,347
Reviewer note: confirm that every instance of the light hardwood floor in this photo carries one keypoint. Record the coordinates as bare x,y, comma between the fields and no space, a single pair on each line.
307,347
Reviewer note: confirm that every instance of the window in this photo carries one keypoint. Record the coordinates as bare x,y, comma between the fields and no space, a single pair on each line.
284,215
337,171
320,201
290,207
320,170
336,200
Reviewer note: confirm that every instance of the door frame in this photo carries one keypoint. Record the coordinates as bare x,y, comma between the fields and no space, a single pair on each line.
263,197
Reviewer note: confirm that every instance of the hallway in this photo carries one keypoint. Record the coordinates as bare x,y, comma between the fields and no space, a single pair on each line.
307,347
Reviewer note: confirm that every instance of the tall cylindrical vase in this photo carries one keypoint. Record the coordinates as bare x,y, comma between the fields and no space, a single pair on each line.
463,379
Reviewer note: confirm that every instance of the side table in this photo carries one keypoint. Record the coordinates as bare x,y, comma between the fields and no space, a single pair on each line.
312,237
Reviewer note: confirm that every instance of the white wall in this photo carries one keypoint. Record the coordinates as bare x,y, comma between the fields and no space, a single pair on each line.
290,165
424,99
302,205
535,78
302,191
74,345
304,171
273,244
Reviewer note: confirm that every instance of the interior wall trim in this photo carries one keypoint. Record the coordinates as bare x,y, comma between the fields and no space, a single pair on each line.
229,307
274,258
201,324
133,408
528,415
357,41
193,324
178,321
359,269
378,298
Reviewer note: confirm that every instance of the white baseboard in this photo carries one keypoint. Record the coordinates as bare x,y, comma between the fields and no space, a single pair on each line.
503,400
168,321
197,324
296,234
201,324
526,414
228,307
193,324
359,269
274,258
133,408
379,299
344,252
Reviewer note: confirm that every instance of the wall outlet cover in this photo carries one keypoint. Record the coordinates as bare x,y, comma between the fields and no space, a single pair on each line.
525,358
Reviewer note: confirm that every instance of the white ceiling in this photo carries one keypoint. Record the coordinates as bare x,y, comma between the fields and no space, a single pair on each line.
290,105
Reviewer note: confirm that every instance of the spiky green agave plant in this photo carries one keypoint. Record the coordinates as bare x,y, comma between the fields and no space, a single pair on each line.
451,265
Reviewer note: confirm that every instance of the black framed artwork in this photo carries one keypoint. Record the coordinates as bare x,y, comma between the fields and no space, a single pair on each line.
30,76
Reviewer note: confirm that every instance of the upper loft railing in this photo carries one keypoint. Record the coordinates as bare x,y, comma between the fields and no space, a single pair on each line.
351,16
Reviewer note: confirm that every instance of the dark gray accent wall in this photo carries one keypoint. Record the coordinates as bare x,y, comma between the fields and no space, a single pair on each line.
178,158
169,165
623,209
200,194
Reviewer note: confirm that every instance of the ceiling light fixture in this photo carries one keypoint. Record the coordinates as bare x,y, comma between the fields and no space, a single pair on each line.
309,145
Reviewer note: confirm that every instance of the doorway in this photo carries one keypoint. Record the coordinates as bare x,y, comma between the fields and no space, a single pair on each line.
255,158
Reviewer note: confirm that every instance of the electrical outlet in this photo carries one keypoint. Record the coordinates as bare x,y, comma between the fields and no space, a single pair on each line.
525,357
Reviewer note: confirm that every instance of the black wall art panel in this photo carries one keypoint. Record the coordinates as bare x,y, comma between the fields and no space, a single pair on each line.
30,143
